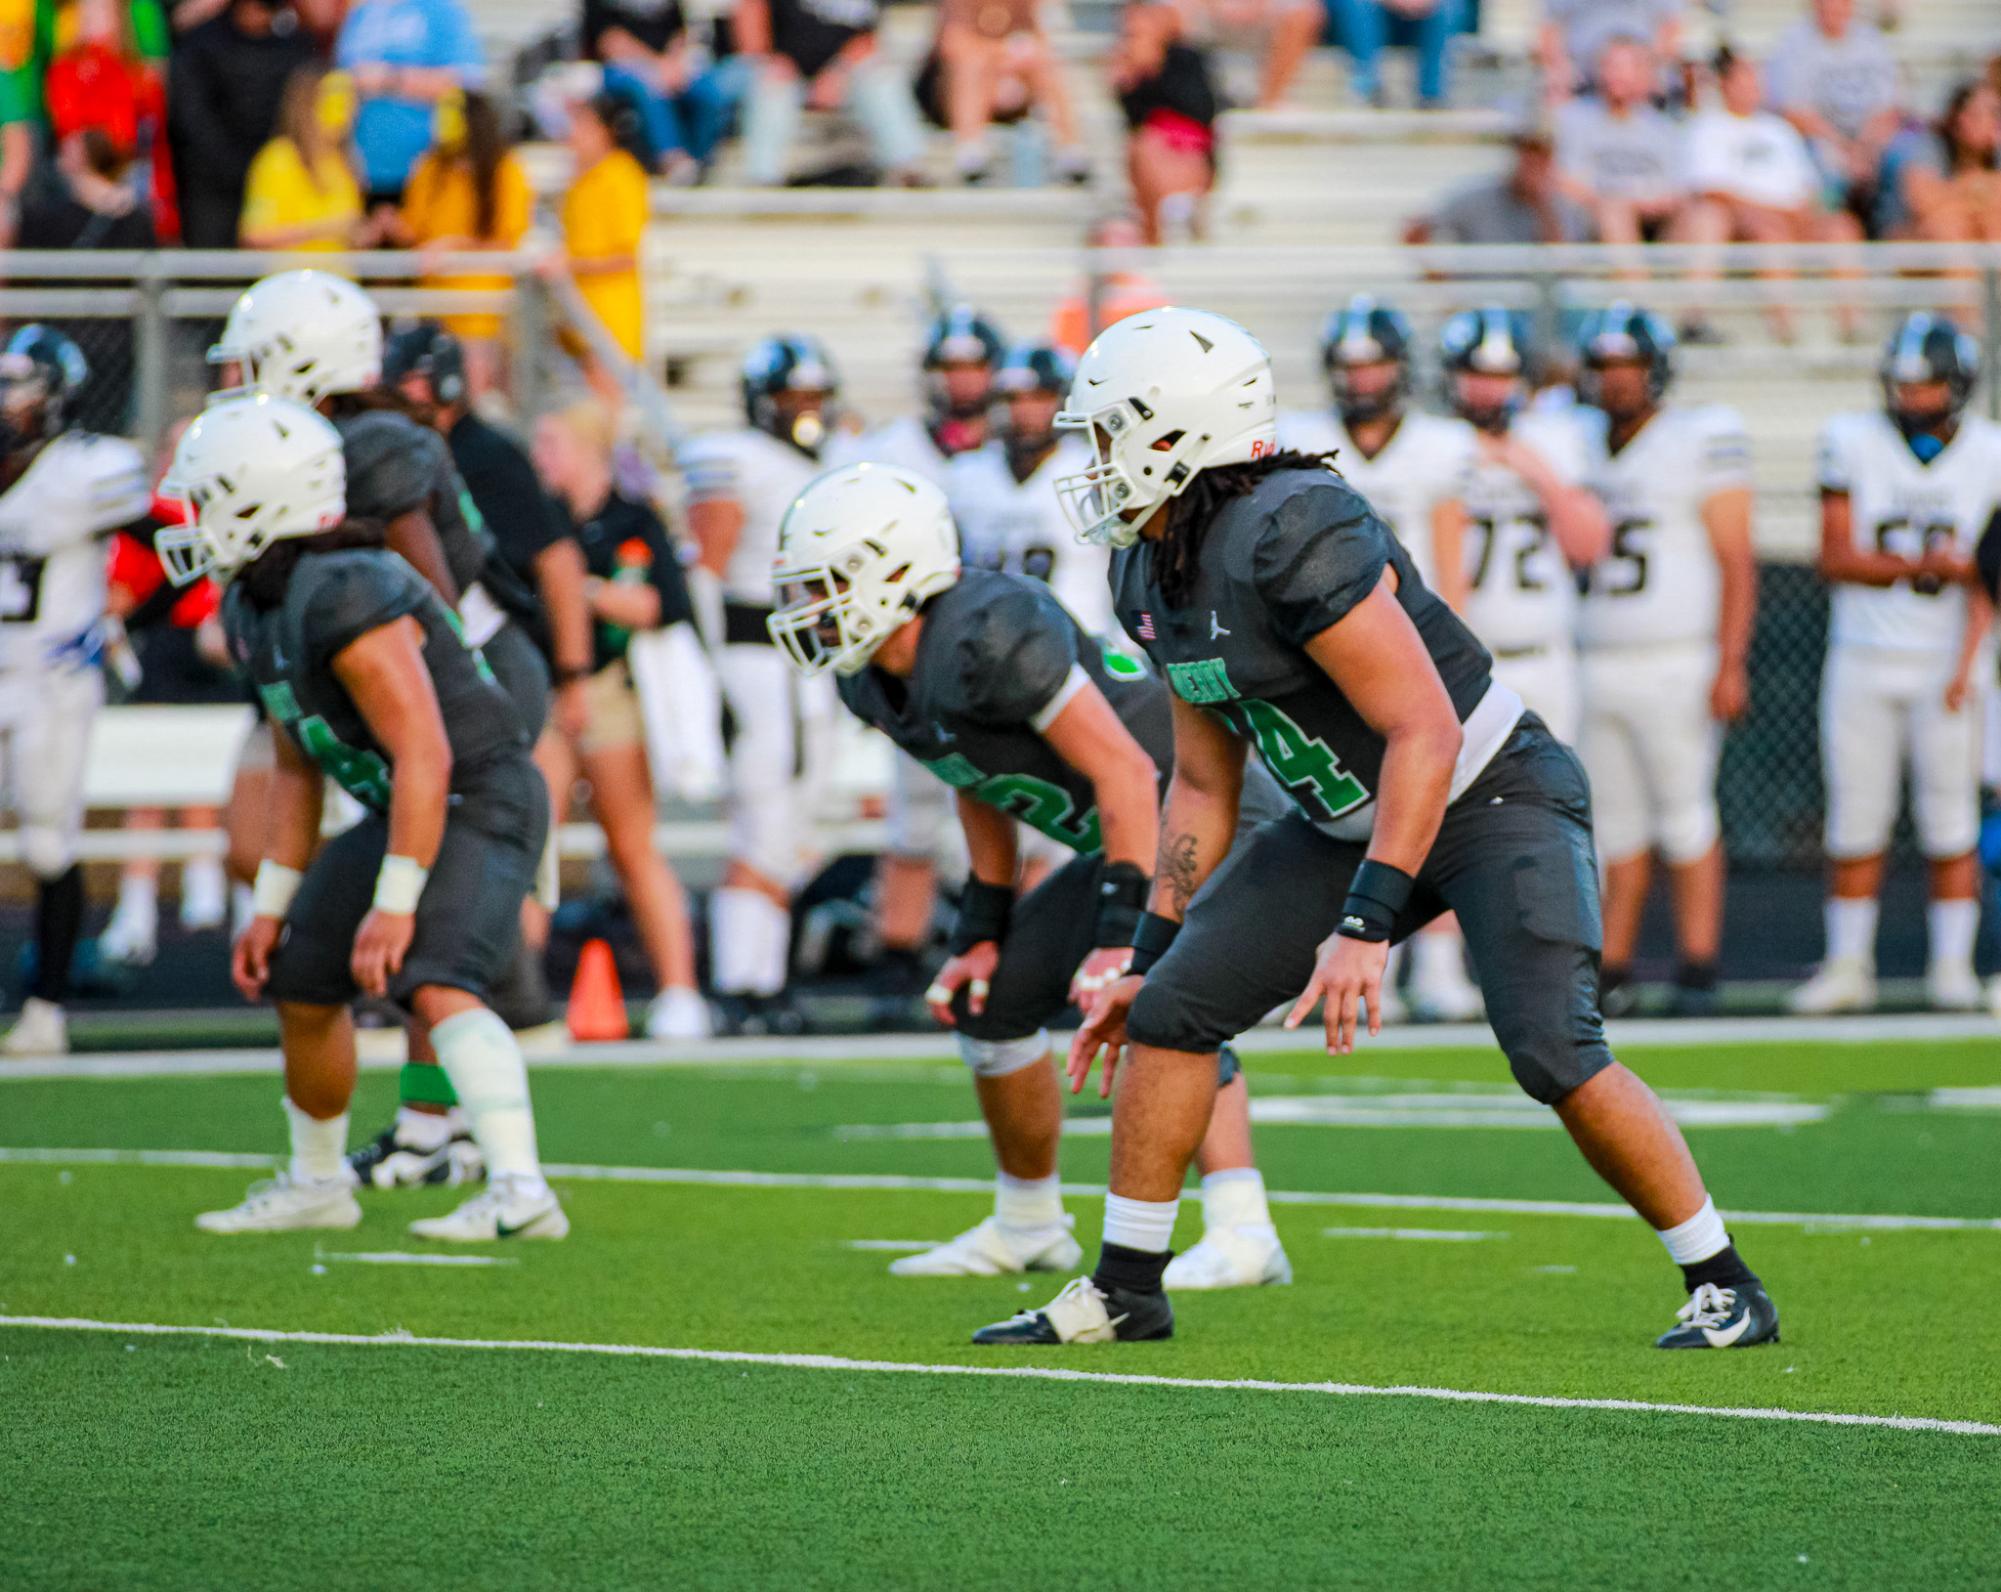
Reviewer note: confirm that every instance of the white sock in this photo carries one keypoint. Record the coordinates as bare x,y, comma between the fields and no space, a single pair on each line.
1698,1238
423,1130
1145,1225
1851,930
1953,925
1437,958
139,893
749,935
1028,1204
1235,1199
202,881
317,1147
484,1064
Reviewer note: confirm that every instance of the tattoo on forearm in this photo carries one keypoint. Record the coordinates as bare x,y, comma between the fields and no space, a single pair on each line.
1176,869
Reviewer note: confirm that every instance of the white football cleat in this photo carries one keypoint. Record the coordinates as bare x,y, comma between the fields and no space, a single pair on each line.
282,1206
1953,988
132,937
1230,1257
991,1250
42,1029
678,1014
1843,984
505,1209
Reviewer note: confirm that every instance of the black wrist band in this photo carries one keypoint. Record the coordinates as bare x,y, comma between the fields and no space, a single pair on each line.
1151,940
571,675
1122,892
983,913
1377,895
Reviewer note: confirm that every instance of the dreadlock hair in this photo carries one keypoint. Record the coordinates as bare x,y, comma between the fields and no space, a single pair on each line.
1190,515
344,405
264,579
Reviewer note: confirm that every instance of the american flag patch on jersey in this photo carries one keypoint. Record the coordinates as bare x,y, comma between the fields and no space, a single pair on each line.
1146,628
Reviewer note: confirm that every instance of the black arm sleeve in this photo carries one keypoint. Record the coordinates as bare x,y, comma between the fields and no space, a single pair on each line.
1320,553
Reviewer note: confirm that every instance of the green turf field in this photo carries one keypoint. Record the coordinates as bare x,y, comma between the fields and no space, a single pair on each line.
525,1454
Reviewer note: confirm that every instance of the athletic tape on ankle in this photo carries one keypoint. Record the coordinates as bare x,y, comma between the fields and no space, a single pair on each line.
422,1085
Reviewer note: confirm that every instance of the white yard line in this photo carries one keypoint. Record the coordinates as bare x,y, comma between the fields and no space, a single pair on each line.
1027,1373
893,1182
397,1257
1436,1235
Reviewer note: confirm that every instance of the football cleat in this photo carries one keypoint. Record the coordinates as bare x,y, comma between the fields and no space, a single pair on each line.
1231,1257
678,1014
281,1205
42,1029
760,1016
508,1208
991,1250
391,1161
1085,1313
1843,984
1953,987
131,938
1738,1317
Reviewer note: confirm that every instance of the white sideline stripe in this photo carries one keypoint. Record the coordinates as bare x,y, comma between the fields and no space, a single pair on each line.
1641,1031
899,1246
1026,1373
1437,1235
397,1257
896,1182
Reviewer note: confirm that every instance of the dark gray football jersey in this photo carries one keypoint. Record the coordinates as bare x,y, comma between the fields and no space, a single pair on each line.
1277,566
331,600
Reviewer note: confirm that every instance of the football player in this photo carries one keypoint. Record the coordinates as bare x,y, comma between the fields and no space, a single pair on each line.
367,679
986,680
1287,618
739,483
1905,493
1664,630
62,491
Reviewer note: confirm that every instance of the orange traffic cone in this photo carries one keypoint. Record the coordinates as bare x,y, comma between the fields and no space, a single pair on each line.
597,1004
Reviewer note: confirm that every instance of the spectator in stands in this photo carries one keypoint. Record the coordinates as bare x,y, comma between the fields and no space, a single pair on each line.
405,56
604,219
469,193
103,80
1943,183
1836,81
993,62
301,192
822,54
223,96
1524,204
1365,27
648,54
1287,28
1616,154
1574,34
1170,102
634,583
1121,292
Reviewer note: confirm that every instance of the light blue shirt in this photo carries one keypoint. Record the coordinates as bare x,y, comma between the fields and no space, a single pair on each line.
391,133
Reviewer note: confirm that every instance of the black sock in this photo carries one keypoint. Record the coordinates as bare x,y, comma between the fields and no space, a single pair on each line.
1135,1270
1724,1269
1697,976
58,926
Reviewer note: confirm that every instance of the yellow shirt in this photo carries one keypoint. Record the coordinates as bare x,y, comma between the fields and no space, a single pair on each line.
440,203
604,217
279,192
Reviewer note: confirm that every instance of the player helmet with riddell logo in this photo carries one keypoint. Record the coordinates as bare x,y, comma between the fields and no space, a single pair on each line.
1363,333
860,551
1161,396
41,372
798,366
1623,331
252,469
304,335
1928,350
1485,342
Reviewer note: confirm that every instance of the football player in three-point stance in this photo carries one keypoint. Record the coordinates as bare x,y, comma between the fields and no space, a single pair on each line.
1905,493
1287,618
61,493
985,678
366,678
1664,631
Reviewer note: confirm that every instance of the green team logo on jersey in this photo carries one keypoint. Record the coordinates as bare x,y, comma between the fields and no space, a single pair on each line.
1203,682
1123,665
1302,763
1044,807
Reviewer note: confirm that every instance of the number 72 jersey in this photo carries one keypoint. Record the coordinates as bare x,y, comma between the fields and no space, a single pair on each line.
1660,582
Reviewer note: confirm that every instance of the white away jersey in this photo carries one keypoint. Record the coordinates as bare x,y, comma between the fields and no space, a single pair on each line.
754,469
1660,582
1908,508
1425,463
905,443
52,559
1523,594
1020,527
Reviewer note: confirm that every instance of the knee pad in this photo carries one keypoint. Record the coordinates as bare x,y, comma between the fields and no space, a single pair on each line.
47,849
996,1058
1688,832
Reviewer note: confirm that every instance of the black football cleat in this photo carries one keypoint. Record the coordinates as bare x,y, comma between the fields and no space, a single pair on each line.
1741,1316
1085,1313
386,1161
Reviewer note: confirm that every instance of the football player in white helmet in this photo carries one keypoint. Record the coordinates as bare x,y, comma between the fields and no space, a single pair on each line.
1905,493
62,491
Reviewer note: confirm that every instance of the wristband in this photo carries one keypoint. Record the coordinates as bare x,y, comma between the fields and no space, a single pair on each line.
1151,939
271,896
983,913
400,885
570,674
1122,892
1377,896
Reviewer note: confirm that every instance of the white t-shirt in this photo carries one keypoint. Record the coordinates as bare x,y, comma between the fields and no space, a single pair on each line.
52,561
1660,582
1425,463
1020,526
1902,506
754,469
1523,595
1636,156
1759,158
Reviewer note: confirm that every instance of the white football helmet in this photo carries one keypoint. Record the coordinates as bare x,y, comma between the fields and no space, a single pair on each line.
303,335
859,552
252,470
1162,395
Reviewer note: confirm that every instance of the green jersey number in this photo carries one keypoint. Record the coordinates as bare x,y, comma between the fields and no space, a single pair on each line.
363,775
1303,764
1044,807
